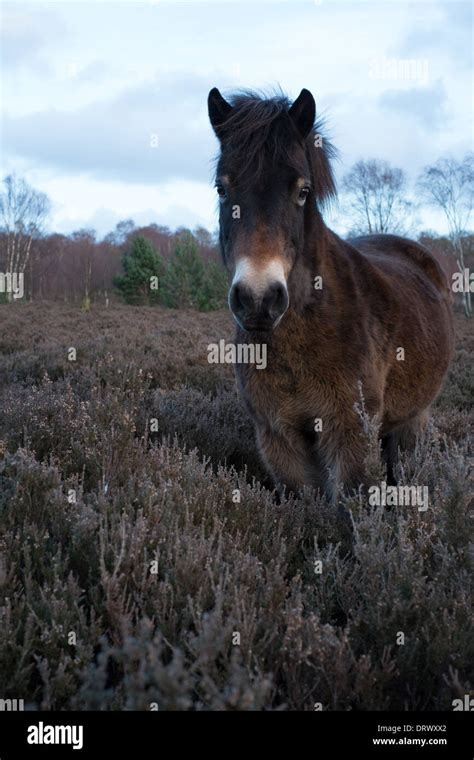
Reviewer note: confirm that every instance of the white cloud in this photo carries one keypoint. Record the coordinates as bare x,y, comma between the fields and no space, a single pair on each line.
101,204
151,133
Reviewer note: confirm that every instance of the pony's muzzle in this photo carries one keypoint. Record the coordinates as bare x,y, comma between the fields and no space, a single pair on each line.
255,310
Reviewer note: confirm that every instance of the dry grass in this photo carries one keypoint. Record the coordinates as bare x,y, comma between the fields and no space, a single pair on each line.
86,624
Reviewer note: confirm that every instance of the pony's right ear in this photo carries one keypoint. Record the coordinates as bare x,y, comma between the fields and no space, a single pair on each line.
219,109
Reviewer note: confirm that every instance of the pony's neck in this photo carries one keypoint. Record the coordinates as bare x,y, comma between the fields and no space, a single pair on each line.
312,261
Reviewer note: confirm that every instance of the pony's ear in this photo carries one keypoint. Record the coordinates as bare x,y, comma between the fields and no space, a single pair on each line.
303,112
219,109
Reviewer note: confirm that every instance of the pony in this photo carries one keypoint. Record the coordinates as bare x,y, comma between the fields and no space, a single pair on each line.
369,316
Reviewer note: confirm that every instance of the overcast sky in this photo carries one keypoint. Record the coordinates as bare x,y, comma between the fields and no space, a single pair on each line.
104,103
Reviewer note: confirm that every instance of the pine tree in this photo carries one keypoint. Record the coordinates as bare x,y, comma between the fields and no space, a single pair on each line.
143,271
184,278
214,289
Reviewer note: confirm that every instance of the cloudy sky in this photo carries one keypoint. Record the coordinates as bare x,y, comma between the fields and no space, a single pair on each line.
104,103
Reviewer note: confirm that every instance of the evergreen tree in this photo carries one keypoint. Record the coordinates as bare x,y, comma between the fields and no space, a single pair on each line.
143,271
184,278
214,289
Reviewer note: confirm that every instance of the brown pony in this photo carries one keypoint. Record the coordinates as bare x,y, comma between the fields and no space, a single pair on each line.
371,314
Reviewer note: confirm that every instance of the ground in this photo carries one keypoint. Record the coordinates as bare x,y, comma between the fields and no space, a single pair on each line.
143,567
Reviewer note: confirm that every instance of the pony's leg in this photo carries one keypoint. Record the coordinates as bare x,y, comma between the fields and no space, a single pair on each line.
390,456
345,467
286,457
409,431
326,466
404,438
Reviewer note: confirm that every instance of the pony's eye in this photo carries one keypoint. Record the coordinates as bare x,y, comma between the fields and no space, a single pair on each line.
221,191
302,195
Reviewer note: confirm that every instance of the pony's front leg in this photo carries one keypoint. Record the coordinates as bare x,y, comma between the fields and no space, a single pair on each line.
286,456
292,460
345,464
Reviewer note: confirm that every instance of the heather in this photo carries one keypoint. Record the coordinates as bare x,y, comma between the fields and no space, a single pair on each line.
145,561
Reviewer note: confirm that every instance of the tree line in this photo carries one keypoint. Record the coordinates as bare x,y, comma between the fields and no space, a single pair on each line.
181,268
79,269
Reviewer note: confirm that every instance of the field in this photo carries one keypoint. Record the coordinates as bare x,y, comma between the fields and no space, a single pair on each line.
132,576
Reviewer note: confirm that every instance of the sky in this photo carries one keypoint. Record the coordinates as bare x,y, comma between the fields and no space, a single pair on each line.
104,104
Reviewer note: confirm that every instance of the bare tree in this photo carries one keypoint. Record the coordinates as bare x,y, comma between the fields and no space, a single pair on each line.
375,193
449,185
23,211
203,237
85,246
122,232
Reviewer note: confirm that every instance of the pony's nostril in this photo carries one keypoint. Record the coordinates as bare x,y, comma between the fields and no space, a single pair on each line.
240,298
236,300
280,293
276,299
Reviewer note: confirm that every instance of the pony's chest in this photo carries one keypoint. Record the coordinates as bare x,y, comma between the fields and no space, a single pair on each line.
277,398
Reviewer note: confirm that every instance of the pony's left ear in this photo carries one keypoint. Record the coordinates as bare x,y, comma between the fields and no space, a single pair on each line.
219,109
303,113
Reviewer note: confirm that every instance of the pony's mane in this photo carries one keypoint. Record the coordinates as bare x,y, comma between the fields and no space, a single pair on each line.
259,128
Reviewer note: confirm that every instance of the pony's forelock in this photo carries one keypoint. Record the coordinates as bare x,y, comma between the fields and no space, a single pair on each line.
259,128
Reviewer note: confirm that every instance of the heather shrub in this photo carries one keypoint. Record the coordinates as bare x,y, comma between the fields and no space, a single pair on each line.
142,569
458,390
217,425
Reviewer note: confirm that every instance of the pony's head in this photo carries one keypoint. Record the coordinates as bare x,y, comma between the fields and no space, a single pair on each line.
272,174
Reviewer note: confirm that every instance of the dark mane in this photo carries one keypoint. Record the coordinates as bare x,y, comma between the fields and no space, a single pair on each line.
260,130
